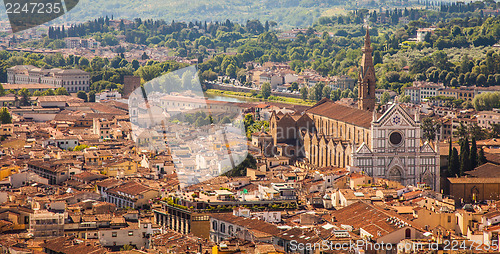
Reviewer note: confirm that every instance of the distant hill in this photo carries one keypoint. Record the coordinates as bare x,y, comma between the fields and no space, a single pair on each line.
287,13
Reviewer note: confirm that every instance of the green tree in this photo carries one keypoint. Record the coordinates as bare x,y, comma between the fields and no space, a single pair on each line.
327,91
127,247
465,164
384,98
97,63
80,147
83,62
405,99
430,127
248,121
486,101
5,116
92,96
25,97
225,120
82,95
241,169
231,71
303,93
266,90
149,72
61,91
455,163
135,64
473,153
495,130
481,159
450,154
481,80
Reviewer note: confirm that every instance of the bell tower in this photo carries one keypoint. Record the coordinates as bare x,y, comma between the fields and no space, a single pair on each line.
366,79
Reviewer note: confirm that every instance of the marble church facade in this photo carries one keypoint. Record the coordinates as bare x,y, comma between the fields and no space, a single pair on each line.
397,151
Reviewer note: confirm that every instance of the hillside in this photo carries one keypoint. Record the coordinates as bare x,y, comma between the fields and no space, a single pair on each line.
288,13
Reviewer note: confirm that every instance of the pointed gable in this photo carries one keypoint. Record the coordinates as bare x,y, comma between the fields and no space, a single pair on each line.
395,116
427,148
363,149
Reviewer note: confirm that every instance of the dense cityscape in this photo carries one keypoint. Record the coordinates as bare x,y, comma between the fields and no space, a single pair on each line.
371,128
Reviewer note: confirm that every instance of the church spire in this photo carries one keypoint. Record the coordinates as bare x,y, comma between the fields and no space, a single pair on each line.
367,38
366,79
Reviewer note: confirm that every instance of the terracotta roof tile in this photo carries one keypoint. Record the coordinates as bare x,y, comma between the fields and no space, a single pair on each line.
342,113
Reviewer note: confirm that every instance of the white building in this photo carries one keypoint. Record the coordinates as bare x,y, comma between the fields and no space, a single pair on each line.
267,216
422,32
63,142
73,80
397,153
486,118
44,223
422,90
107,95
77,42
136,234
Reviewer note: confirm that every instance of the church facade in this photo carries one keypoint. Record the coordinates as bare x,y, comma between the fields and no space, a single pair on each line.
331,134
397,152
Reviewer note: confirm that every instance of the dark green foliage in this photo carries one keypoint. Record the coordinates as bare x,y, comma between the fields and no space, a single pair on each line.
241,169
454,167
5,116
430,127
481,157
82,95
265,90
473,153
465,163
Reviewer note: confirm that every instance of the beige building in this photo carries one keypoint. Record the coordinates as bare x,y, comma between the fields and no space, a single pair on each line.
44,223
130,194
486,118
73,80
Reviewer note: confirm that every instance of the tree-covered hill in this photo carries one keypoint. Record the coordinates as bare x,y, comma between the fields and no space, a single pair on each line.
289,12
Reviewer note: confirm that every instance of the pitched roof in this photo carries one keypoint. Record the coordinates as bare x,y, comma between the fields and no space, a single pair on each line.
251,224
132,188
370,218
459,180
488,170
89,177
330,109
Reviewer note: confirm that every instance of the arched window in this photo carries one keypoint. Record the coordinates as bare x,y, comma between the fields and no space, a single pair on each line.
230,229
223,228
214,225
408,233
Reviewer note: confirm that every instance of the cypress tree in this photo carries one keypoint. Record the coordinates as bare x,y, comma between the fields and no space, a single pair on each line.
454,163
465,164
473,153
450,154
481,158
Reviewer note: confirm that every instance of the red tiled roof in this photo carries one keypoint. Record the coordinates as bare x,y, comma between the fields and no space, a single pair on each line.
330,109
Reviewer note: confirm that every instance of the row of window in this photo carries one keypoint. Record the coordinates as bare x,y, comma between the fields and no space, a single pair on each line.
222,228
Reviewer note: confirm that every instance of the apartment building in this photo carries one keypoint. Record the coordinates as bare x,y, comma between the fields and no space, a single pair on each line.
486,118
136,234
182,220
130,194
44,223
